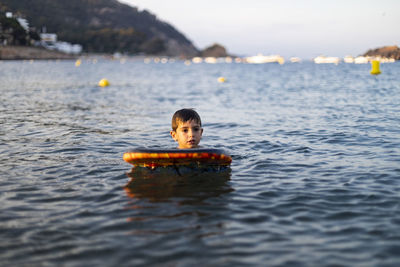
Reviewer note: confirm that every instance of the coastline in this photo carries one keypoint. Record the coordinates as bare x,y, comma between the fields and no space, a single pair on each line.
29,52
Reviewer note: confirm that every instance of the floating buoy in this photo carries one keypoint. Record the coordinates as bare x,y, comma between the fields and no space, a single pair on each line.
375,67
78,63
221,79
104,83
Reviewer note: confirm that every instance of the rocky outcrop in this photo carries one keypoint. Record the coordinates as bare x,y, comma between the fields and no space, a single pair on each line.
385,52
215,50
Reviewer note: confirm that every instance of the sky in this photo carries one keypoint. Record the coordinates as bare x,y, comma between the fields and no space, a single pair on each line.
290,28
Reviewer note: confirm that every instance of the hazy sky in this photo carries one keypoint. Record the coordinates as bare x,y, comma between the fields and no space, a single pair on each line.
303,28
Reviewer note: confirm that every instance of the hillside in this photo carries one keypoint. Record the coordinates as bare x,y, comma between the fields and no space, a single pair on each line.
103,26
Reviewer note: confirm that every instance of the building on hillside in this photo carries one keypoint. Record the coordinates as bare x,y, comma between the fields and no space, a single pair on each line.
49,41
68,48
24,23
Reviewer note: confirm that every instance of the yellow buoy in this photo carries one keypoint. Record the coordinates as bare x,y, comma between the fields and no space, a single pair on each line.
375,67
78,63
221,79
104,83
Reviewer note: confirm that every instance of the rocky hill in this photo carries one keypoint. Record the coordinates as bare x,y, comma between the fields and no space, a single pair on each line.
386,52
103,26
215,50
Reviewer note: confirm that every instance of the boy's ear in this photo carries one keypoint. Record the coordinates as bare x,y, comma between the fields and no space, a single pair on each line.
173,134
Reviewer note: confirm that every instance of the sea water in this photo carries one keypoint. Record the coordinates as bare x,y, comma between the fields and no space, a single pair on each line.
315,177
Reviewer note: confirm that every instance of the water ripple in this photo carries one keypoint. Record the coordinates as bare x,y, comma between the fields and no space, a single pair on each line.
313,182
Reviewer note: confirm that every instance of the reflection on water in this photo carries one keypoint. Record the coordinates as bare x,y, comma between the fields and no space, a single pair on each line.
190,185
179,200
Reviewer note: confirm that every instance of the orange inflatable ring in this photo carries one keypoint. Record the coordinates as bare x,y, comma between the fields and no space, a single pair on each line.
145,157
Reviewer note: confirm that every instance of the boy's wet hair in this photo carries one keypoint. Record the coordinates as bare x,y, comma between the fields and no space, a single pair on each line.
184,115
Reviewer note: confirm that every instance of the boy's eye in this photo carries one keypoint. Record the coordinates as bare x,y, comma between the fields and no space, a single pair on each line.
196,129
185,130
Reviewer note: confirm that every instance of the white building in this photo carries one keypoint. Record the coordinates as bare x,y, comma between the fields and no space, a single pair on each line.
24,23
68,48
49,41
50,38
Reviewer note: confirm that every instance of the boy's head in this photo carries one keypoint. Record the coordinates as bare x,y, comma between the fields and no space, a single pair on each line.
186,128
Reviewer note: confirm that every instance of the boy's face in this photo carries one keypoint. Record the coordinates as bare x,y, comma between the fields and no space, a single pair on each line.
188,134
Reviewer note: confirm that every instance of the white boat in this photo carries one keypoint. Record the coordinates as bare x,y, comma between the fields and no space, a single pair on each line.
361,60
197,60
210,60
295,59
261,59
348,59
326,60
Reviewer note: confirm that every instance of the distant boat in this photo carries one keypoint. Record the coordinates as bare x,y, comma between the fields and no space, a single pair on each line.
210,60
326,60
295,59
261,59
361,60
228,60
348,59
386,60
197,60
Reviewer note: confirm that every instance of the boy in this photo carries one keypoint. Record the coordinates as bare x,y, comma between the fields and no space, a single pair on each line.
186,128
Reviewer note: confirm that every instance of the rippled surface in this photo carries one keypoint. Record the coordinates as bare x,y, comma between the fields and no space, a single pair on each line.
315,179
